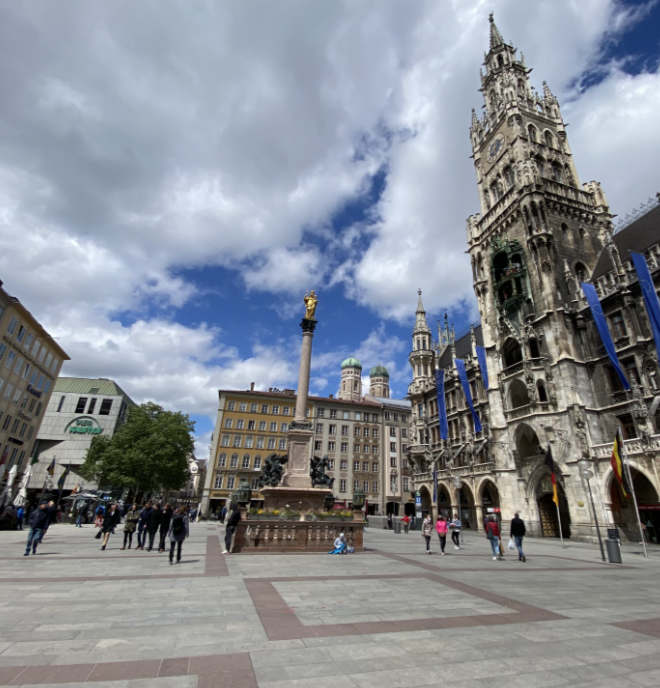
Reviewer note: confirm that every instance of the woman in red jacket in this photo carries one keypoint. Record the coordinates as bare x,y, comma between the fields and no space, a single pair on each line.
493,534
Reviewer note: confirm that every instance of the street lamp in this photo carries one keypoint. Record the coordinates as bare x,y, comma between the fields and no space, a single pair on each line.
587,474
457,482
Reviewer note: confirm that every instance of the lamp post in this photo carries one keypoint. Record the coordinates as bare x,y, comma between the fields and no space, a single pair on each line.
587,474
456,481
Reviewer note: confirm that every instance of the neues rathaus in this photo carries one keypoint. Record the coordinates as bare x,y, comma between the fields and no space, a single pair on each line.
539,234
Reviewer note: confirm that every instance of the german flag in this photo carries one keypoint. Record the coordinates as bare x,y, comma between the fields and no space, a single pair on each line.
51,468
551,466
616,461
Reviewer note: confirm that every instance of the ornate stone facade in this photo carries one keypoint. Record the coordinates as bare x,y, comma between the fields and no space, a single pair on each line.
538,235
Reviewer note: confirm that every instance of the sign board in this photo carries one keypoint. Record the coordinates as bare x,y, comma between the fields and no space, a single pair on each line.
418,501
84,426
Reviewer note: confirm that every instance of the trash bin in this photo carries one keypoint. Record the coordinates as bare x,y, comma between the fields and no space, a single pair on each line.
397,527
613,550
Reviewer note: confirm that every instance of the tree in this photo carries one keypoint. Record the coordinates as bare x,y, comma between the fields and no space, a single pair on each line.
148,453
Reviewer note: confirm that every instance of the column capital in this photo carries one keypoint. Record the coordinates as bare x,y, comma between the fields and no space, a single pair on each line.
308,325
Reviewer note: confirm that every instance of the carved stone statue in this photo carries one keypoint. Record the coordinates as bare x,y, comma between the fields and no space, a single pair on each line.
271,474
317,472
310,304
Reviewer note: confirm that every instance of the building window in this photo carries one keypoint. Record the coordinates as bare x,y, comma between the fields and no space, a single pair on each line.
230,482
392,431
331,446
249,440
342,486
262,425
618,325
332,429
284,427
226,439
374,432
627,426
356,465
392,446
404,433
237,440
61,403
358,415
253,407
317,445
344,430
233,462
246,461
264,408
106,405
374,487
230,405
631,370
276,410
273,426
218,482
286,410
260,442
271,443
320,412
222,460
343,465
254,483
251,425
333,413
331,464
405,483
80,406
356,485
374,449
257,463
393,461
319,428
240,424
282,443
242,407
365,466
358,431
343,447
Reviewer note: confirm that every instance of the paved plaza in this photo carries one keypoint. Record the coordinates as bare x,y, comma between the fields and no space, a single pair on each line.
391,616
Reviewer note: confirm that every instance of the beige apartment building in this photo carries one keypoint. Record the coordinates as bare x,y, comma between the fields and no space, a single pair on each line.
30,361
364,438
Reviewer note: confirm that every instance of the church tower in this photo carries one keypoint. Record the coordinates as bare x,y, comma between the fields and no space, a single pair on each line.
350,387
379,382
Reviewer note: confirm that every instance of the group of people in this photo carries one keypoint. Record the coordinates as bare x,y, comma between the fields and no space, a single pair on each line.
149,521
491,526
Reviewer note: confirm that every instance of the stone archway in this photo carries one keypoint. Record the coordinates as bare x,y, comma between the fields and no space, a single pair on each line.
527,442
548,510
427,501
444,500
623,510
465,501
489,496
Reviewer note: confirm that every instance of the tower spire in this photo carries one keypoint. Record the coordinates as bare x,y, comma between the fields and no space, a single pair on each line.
420,315
495,36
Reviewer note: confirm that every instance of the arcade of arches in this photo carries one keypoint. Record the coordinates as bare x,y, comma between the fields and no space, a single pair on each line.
623,512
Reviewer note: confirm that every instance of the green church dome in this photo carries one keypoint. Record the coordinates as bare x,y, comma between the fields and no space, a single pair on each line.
351,363
379,371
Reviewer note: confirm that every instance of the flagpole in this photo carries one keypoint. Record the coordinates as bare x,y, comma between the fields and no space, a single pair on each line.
626,467
561,535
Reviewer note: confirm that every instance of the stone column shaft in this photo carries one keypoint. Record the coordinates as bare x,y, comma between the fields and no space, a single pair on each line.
303,375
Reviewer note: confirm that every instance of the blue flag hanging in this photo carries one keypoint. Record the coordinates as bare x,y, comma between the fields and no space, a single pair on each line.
601,324
481,357
650,297
442,409
462,376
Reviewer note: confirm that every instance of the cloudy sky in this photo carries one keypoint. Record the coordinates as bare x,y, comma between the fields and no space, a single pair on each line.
175,174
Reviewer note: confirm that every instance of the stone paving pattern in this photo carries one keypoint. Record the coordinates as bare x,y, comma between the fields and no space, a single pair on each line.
391,616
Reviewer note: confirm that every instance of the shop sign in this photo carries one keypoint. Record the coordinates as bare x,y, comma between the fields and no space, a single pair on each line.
85,426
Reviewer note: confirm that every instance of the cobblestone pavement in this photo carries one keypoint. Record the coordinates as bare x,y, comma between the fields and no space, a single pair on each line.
392,616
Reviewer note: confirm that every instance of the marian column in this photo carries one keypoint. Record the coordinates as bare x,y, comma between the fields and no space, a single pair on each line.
300,431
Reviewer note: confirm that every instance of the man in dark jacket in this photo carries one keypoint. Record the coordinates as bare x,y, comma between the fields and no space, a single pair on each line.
153,522
38,521
110,522
232,524
518,533
142,525
165,519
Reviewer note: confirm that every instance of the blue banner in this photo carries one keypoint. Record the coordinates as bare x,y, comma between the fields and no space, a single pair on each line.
481,357
462,376
442,409
650,297
601,324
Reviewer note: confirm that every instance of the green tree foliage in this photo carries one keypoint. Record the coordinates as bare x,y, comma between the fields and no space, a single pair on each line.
148,453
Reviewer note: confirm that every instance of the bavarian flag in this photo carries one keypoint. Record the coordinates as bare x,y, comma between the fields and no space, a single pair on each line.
617,463
51,468
551,466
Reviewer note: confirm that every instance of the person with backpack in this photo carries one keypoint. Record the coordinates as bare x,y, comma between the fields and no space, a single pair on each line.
178,532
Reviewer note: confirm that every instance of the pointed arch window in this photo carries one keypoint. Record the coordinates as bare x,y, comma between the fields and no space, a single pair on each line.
549,140
531,132
540,388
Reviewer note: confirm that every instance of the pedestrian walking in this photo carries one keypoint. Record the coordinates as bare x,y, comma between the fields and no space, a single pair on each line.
441,527
456,526
130,524
110,522
427,530
142,525
153,523
80,516
232,524
178,531
51,510
38,521
493,534
223,514
406,523
165,518
20,515
518,533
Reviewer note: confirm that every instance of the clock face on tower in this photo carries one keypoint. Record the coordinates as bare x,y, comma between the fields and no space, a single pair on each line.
495,148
